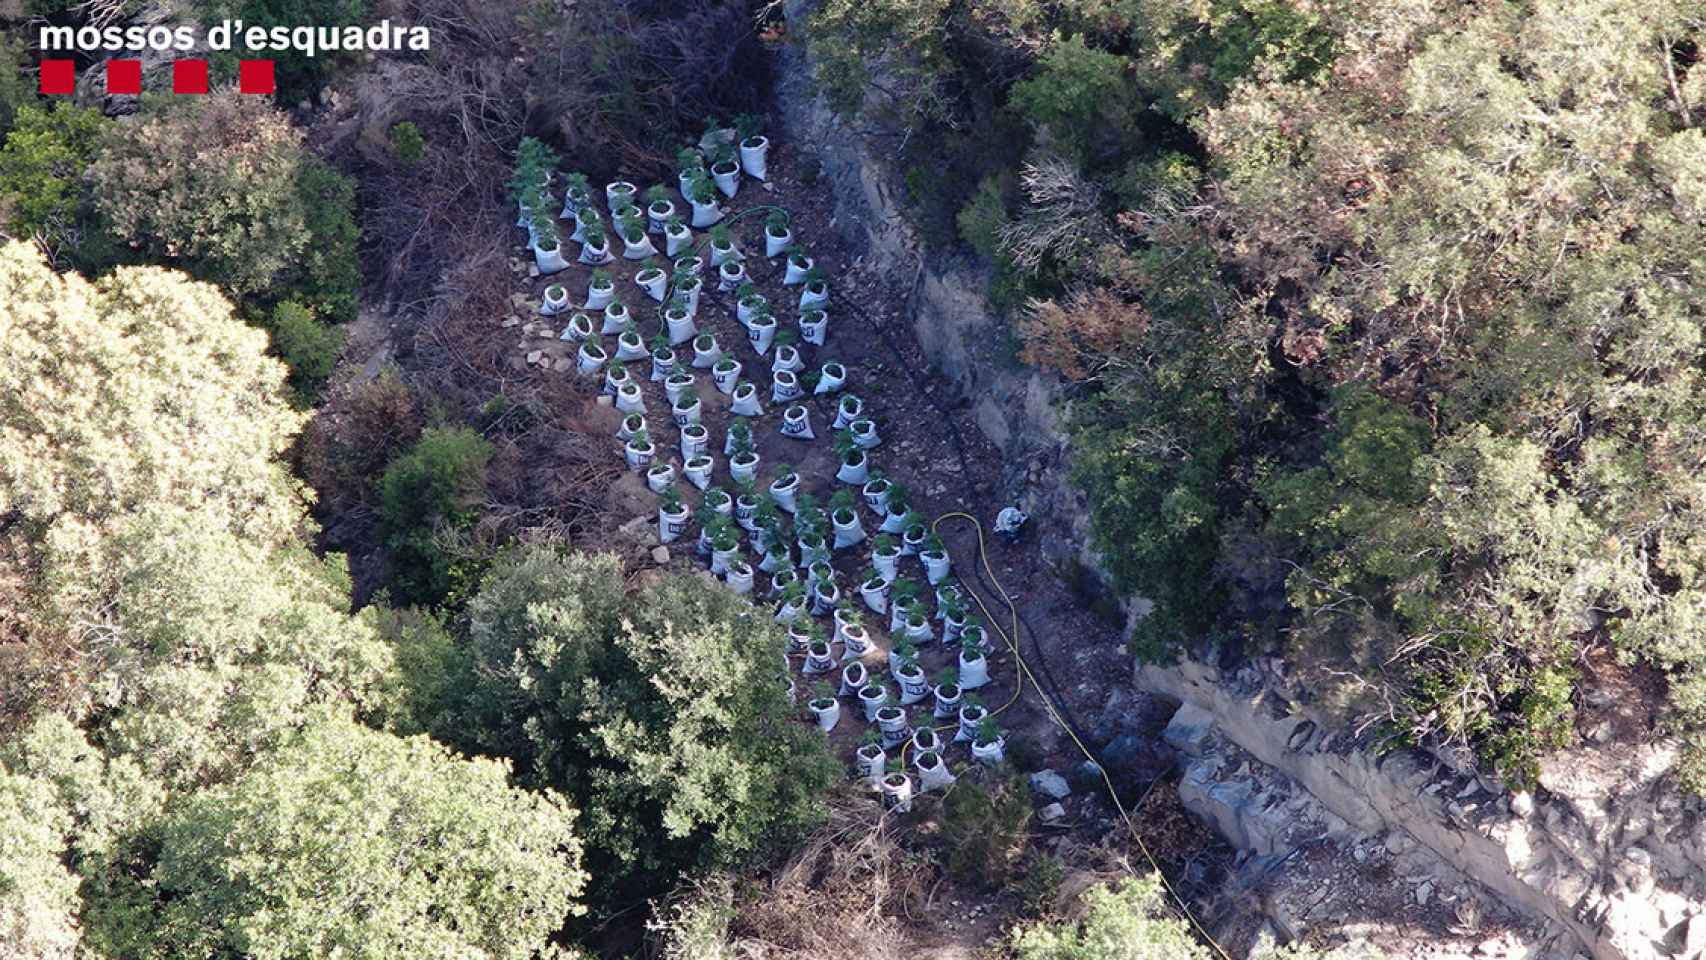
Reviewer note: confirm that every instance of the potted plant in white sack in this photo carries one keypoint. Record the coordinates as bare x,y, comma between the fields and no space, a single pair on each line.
688,286
787,355
629,346
903,596
873,697
824,708
918,628
600,291
953,620
844,519
686,410
738,578
874,591
638,451
737,438
870,759
913,685
816,293
579,328
577,195
849,409
825,596
725,172
659,208
972,713
725,543
660,476
913,537
891,721
719,501
784,386
831,378
798,265
796,423
695,440
629,399
672,515
902,652
778,233
854,468
677,236
947,693
855,639
818,658
932,772
745,509
547,245
748,299
725,372
865,433
761,329
556,300
754,146
590,357
988,746
618,193
785,488
698,469
679,384
802,632
585,217
935,557
745,401
706,353
974,661
663,358
814,327
702,196
636,244
722,245
595,246
730,276
743,465
689,166
653,281
631,424
534,166
885,559
876,493
897,510
678,322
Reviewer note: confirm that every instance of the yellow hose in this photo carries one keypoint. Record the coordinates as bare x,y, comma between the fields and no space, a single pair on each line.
1024,672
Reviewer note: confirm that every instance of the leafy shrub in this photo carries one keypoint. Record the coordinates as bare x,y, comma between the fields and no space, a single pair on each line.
981,219
354,434
438,485
984,829
1082,97
41,169
407,142
310,348
660,711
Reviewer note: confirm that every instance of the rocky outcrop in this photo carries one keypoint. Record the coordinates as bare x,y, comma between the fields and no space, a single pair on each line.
1619,864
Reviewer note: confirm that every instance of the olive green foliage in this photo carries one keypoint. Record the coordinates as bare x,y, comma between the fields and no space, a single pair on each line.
436,487
351,842
306,345
1192,53
661,712
41,166
984,829
15,91
38,896
407,142
221,187
1081,97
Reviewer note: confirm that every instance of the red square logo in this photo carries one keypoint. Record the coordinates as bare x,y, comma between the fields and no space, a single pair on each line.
58,77
189,76
124,76
255,76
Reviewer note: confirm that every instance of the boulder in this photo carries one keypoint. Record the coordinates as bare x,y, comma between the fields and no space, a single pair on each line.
1050,784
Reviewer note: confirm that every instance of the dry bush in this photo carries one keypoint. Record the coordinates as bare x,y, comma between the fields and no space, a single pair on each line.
840,896
359,427
1082,336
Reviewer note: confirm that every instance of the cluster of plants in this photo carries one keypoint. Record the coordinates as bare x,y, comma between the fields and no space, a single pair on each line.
1366,369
